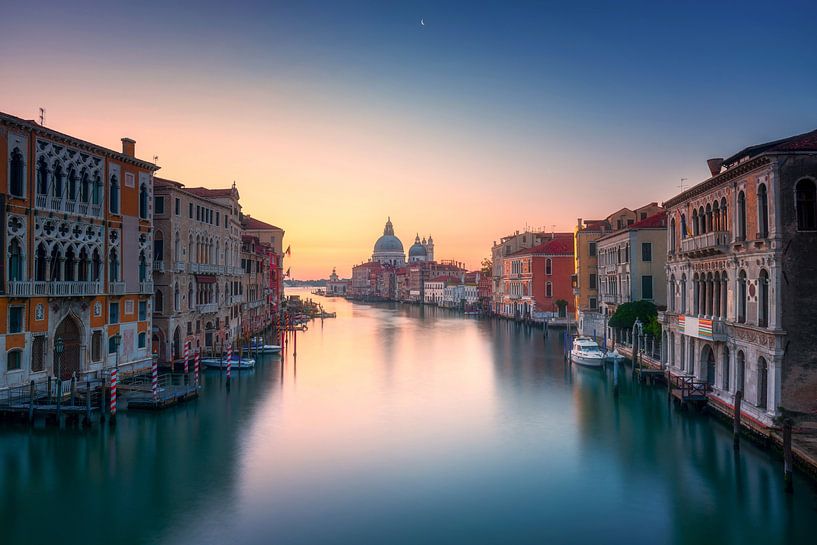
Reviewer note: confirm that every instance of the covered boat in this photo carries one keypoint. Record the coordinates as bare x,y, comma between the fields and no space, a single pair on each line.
586,352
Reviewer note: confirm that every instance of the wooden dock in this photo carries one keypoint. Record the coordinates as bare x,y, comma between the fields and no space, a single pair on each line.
172,388
54,399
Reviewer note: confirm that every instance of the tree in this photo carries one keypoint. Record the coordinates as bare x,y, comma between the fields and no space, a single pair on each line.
645,311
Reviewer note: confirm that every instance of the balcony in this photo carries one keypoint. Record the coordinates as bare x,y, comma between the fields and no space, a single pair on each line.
205,268
159,266
116,288
712,243
208,308
146,287
235,299
53,289
58,204
179,266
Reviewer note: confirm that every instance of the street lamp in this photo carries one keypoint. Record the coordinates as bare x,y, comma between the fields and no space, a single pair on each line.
59,347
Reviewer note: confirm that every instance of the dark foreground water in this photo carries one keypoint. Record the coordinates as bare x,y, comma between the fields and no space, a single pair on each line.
401,425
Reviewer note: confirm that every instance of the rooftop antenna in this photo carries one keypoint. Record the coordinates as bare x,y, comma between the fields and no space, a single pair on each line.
155,159
42,117
682,185
552,230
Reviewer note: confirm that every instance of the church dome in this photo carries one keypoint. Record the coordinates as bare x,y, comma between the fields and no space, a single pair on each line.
417,250
388,243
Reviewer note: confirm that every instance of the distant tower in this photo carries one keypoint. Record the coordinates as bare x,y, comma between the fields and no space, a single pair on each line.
430,248
334,276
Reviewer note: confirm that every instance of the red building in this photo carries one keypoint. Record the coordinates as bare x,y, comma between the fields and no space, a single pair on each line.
535,279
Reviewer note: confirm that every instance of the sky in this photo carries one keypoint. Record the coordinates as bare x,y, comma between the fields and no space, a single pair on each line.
493,116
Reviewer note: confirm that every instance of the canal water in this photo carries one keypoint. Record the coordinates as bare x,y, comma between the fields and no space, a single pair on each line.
398,424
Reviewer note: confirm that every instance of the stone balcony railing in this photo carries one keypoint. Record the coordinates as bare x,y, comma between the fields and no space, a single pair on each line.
28,288
179,266
235,299
116,288
159,266
613,298
707,244
59,204
146,287
207,308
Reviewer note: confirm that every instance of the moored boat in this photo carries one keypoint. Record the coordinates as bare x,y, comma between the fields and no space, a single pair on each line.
586,352
216,363
257,345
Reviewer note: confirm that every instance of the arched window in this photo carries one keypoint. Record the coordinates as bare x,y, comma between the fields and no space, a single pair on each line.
740,372
143,202
806,205
56,264
177,248
716,217
72,184
702,220
671,293
742,297
96,267
683,293
763,299
672,236
191,303
762,211
176,298
549,289
725,369
58,181
708,218
159,301
114,196
113,272
143,267
724,217
762,382
741,234
15,273
96,196
548,266
41,263
84,263
683,226
85,188
70,264
17,171
42,177
695,225
696,287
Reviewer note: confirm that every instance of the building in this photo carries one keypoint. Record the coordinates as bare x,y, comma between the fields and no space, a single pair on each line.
197,267
336,286
741,265
272,241
537,281
77,229
256,308
388,250
499,251
365,277
421,250
631,264
586,280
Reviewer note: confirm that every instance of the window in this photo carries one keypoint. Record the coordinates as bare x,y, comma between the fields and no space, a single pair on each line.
762,382
142,340
683,226
741,234
549,289
672,236
763,299
114,267
96,346
16,185
725,370
218,219
15,360
42,177
548,266
189,328
806,195
15,319
742,297
129,307
96,194
593,281
646,251
38,354
84,187
646,287
15,272
143,311
158,247
130,180
190,210
630,222
159,205
113,313
762,211
643,215
178,206
114,197
159,301
112,345
593,303
57,177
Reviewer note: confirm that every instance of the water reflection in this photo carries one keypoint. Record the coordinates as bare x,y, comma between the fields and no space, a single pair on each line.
398,424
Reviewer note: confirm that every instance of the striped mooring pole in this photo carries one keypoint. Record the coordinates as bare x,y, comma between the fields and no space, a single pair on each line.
229,362
113,396
154,376
197,366
186,357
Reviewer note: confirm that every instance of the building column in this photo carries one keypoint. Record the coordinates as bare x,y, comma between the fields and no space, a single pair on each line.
775,375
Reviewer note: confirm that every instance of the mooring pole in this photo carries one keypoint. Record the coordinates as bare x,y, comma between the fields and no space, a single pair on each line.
787,456
736,421
31,403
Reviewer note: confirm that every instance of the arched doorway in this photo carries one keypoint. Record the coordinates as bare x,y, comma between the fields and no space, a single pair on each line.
69,332
177,343
157,344
708,359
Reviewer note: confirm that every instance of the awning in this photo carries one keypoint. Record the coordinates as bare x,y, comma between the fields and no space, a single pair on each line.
205,279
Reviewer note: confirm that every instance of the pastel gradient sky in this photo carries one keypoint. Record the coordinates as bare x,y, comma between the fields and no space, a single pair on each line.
332,115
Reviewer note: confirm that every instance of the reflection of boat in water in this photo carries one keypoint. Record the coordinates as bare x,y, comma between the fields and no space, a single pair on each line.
586,352
257,345
216,363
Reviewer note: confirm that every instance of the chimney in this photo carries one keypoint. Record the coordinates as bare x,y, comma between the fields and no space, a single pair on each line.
580,223
129,147
715,165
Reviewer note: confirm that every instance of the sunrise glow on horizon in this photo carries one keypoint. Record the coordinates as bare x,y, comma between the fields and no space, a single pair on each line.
474,125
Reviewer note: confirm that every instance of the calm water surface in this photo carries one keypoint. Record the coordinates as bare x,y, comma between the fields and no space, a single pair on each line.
403,425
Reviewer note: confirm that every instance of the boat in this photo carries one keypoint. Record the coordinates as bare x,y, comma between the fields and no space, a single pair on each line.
613,356
257,345
216,363
327,315
586,352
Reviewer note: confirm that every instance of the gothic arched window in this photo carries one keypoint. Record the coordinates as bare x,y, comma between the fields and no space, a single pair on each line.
15,261
762,211
742,293
42,177
85,188
763,299
16,182
113,270
58,181
806,194
741,216
114,196
143,202
72,184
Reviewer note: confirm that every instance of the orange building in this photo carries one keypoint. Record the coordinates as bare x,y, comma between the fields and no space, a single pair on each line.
77,231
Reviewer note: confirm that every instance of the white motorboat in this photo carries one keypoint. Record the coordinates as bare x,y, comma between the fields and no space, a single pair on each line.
257,345
216,363
586,352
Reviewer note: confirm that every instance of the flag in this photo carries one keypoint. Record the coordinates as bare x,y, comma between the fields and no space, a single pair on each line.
287,273
288,252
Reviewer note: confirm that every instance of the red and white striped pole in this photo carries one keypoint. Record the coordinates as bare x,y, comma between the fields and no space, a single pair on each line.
186,357
113,395
154,376
197,366
229,361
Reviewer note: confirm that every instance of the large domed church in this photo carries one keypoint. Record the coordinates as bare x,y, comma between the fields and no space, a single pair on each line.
388,250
